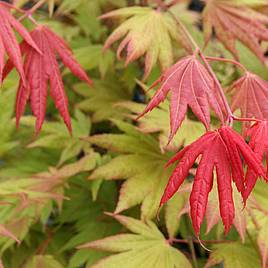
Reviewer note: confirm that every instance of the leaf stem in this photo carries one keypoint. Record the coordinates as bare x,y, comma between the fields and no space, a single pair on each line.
245,119
238,64
192,249
28,13
163,6
184,241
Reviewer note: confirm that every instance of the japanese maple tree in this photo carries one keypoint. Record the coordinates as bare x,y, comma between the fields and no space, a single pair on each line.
212,175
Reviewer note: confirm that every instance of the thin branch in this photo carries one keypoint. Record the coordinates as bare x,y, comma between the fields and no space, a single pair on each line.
29,13
245,119
184,241
238,64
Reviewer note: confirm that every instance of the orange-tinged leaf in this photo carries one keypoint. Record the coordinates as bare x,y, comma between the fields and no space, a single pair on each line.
234,21
146,32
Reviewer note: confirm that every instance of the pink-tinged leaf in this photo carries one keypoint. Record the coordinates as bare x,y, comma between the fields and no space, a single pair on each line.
233,21
38,81
9,42
156,29
190,85
66,55
224,187
24,34
217,149
249,94
23,93
202,186
2,59
258,134
41,68
57,90
187,160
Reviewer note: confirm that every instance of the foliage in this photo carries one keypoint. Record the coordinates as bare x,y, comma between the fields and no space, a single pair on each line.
103,191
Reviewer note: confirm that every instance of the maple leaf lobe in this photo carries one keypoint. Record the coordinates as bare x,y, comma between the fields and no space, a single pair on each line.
190,85
42,70
218,150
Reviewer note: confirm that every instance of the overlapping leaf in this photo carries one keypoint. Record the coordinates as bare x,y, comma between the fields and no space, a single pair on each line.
146,32
145,247
9,43
259,213
221,149
190,85
158,122
234,255
41,69
55,136
106,94
250,94
232,21
140,162
258,134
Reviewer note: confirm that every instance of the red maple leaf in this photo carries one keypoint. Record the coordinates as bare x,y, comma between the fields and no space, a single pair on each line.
41,69
221,149
250,94
234,21
9,43
258,134
190,85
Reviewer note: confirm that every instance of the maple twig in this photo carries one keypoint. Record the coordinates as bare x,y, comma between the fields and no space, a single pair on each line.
227,107
245,119
28,13
184,241
238,64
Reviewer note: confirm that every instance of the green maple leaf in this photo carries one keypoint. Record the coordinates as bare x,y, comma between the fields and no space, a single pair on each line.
47,261
144,247
148,32
140,162
93,56
157,121
55,136
234,255
102,99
